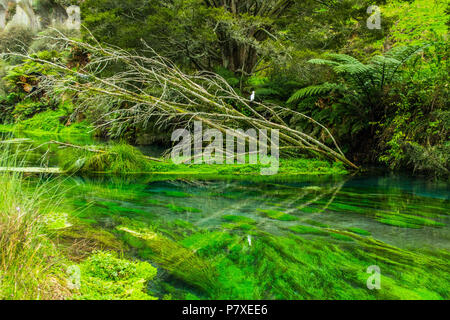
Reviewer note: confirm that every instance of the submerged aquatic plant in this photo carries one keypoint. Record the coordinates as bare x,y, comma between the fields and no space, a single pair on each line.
182,263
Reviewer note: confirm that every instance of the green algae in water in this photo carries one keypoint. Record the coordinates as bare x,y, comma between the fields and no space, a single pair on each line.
241,226
238,219
307,230
182,209
239,222
341,237
231,252
406,221
276,215
360,231
316,223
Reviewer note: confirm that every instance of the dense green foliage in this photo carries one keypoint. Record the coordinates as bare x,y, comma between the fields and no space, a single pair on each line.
210,231
386,87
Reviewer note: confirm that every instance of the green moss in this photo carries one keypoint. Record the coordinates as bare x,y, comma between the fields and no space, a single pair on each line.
277,215
49,121
106,277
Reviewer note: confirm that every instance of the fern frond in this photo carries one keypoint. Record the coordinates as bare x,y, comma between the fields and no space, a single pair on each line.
354,69
404,53
323,62
343,58
313,91
384,61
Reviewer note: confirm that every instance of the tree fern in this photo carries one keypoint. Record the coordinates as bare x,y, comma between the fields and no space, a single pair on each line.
367,80
365,87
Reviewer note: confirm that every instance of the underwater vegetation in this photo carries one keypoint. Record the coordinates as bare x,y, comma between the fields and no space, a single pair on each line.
180,262
150,238
254,253
276,215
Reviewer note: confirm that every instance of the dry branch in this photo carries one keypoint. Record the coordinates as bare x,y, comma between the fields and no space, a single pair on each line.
153,90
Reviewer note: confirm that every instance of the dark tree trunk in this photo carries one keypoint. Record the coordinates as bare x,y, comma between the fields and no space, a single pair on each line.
242,57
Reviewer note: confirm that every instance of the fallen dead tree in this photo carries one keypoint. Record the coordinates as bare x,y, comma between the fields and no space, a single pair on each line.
153,90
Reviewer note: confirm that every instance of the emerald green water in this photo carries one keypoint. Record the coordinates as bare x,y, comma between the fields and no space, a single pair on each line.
302,238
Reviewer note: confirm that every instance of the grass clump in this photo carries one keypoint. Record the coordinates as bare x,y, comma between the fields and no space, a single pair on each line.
30,265
117,158
104,276
50,122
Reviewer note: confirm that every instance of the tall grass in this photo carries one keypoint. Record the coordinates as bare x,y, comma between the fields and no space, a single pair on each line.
30,266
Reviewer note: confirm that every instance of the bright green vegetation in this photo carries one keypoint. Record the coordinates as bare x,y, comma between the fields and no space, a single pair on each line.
118,158
30,264
106,277
307,230
122,158
124,235
319,256
380,93
407,221
124,222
